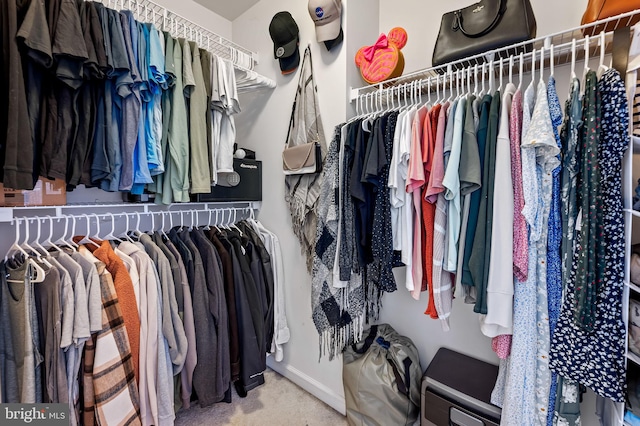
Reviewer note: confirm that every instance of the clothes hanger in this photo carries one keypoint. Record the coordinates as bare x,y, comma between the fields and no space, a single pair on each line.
501,72
602,68
37,273
429,91
551,61
25,244
482,91
37,245
215,225
69,239
87,238
542,64
491,77
125,234
533,65
110,236
16,247
587,46
511,69
162,229
235,218
61,241
475,80
573,59
48,241
521,65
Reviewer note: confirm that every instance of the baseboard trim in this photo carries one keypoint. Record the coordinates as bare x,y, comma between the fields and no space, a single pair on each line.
311,385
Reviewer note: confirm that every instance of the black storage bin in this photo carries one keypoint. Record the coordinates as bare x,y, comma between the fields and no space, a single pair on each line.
456,391
248,189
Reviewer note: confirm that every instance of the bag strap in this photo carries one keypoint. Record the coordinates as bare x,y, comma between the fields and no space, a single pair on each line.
621,44
458,21
404,385
368,341
301,85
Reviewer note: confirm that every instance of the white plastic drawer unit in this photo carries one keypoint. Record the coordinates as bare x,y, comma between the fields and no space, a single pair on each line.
456,391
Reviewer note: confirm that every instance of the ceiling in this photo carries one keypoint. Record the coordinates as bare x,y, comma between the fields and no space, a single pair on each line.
228,9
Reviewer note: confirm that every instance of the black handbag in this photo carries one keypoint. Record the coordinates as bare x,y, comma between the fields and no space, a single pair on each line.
484,26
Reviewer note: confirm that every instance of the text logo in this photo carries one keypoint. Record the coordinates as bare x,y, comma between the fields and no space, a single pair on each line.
478,9
34,414
248,166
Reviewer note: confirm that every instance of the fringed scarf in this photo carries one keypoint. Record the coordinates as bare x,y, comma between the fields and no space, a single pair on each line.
338,310
302,191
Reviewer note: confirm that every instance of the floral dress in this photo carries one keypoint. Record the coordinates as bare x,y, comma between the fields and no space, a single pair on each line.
596,358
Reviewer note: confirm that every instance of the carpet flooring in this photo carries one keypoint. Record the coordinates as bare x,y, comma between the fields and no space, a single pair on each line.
278,402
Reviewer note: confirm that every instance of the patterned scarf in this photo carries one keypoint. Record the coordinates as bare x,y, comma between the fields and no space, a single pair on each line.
338,311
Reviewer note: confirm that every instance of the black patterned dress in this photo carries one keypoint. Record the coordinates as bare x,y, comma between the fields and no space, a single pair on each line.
595,356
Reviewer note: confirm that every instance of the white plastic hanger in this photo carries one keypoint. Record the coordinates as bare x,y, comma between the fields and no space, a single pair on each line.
551,61
110,236
25,244
124,236
451,94
37,273
533,65
475,80
521,66
235,218
484,68
16,247
542,64
48,241
501,72
602,68
511,69
87,238
162,229
573,59
492,75
37,245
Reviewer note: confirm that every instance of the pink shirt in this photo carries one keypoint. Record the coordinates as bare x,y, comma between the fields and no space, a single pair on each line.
435,186
520,238
415,182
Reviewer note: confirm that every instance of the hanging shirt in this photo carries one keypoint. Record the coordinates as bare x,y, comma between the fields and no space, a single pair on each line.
401,201
434,189
415,181
428,209
499,317
108,364
198,150
451,182
481,251
519,395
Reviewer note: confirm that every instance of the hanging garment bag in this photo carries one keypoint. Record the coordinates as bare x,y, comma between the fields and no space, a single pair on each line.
381,378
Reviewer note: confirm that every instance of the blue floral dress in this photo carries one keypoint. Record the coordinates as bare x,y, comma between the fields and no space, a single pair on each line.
596,358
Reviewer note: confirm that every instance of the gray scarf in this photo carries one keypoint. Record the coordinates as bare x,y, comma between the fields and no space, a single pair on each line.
302,191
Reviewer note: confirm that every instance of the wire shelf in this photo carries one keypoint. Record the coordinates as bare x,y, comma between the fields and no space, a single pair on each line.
180,27
562,43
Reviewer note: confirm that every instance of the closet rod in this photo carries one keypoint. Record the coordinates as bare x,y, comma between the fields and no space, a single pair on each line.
7,214
474,76
223,216
563,38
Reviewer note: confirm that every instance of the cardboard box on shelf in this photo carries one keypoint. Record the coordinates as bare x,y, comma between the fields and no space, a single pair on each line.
46,192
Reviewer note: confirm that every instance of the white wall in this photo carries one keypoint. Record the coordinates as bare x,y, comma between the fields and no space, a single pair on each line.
262,126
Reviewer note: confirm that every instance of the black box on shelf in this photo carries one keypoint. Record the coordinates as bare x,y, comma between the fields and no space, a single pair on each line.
245,184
